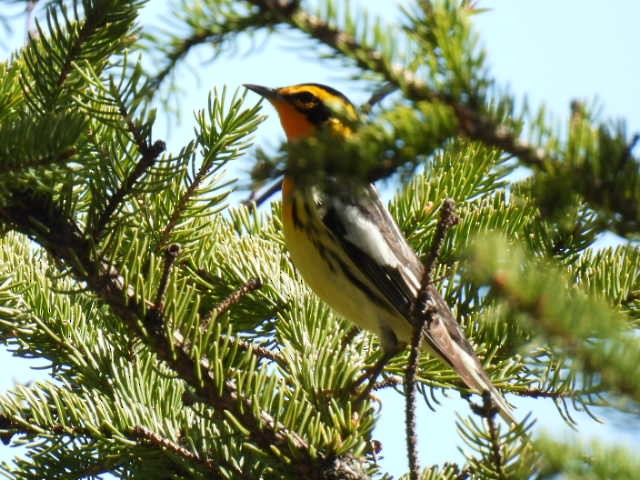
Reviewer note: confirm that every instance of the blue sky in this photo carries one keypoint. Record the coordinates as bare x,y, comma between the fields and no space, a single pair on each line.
551,51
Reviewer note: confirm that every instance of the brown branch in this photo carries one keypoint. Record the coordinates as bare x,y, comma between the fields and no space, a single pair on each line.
420,316
155,315
448,219
17,427
377,96
390,381
488,411
165,444
410,400
233,298
215,35
259,351
255,200
150,153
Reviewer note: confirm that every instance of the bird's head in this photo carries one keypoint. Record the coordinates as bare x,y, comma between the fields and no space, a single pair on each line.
308,107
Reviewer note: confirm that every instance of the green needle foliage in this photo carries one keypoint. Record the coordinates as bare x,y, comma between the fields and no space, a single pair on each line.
178,338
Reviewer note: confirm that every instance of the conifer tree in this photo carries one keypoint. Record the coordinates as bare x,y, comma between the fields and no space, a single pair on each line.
180,340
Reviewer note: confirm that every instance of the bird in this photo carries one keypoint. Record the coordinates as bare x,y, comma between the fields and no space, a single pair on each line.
350,251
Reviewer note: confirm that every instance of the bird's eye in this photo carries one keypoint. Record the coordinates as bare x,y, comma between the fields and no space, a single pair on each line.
305,97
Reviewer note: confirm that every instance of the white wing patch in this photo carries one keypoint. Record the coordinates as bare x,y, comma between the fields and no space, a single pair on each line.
365,235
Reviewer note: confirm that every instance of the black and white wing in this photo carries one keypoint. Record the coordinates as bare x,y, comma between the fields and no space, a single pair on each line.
356,218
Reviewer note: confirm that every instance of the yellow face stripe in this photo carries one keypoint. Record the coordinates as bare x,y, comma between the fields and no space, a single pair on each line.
335,101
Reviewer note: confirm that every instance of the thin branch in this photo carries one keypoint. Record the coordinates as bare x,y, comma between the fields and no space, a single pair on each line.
183,201
259,351
390,381
377,96
255,200
420,316
17,427
488,411
448,219
163,443
155,315
410,400
214,35
149,152
234,297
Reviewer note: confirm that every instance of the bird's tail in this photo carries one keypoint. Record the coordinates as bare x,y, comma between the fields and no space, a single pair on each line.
467,365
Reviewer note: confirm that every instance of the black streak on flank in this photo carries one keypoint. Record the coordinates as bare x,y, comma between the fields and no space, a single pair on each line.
294,215
373,296
332,220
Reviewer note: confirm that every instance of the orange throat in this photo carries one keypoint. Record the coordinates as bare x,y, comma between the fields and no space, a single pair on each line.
295,124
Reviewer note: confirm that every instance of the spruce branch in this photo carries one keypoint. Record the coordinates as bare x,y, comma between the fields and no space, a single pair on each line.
150,153
181,204
18,426
24,164
51,56
10,426
567,317
206,31
472,121
36,217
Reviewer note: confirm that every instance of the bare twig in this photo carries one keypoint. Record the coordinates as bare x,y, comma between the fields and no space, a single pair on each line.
410,400
420,315
378,95
488,411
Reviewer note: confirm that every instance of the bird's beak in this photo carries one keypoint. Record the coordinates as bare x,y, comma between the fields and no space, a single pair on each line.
265,92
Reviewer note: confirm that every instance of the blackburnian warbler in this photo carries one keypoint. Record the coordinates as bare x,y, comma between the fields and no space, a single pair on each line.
349,249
